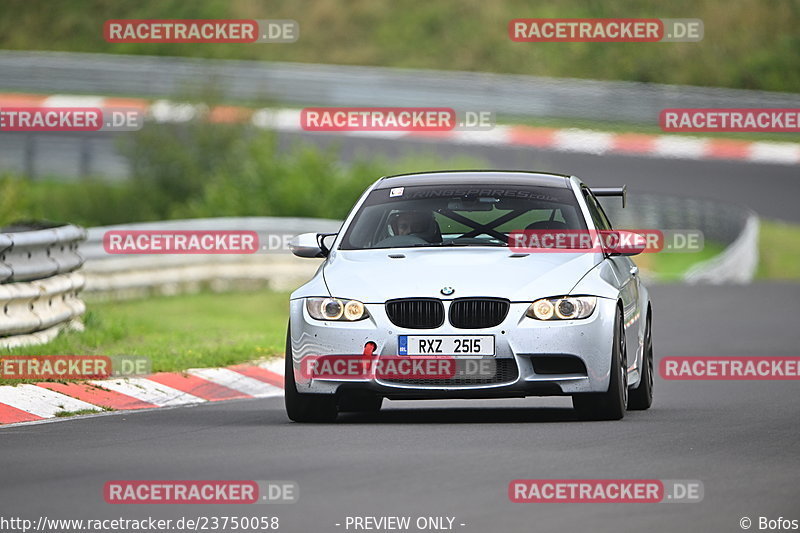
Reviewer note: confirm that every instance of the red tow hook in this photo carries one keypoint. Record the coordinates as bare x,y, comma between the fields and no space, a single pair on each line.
366,358
369,349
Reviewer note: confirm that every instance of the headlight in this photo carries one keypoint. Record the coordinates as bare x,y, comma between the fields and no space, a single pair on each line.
336,309
562,308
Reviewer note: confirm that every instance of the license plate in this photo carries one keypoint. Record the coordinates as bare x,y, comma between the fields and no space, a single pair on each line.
453,345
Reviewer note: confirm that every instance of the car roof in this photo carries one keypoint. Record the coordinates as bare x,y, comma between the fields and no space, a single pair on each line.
474,177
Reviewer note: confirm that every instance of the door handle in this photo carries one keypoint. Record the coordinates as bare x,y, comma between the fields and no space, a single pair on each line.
634,270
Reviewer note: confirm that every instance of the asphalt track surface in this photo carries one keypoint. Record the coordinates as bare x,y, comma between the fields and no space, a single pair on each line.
457,458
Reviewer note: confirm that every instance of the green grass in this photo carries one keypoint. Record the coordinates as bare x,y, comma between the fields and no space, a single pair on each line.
779,251
180,332
65,414
672,266
747,44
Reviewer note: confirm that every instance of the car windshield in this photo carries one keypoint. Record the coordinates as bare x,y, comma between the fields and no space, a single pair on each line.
479,215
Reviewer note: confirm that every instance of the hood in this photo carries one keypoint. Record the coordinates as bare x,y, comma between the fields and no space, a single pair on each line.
372,276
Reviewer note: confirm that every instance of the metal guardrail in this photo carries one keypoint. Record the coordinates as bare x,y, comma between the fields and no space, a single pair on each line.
42,304
340,85
112,276
5,270
41,253
39,283
737,264
92,248
734,226
720,222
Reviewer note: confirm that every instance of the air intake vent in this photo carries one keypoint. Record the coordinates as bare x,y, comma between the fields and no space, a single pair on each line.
416,313
506,372
478,313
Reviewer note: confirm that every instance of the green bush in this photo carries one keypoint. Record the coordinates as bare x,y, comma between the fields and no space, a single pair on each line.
87,202
172,162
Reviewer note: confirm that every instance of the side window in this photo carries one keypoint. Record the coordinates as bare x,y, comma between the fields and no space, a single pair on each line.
598,216
601,211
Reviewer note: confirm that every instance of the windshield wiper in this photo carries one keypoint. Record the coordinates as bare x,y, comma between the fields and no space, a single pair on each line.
452,243
425,244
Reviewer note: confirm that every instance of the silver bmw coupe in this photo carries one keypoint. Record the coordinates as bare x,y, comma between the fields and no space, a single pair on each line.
434,289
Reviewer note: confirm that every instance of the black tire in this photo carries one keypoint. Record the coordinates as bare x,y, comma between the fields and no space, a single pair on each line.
641,397
355,402
305,407
609,405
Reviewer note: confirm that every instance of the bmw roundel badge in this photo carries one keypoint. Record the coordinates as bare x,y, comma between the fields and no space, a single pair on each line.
447,291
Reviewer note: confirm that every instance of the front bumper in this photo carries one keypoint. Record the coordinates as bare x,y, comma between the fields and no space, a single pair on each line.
524,341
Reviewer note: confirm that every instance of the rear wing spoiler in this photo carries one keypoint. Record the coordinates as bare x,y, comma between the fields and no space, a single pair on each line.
611,191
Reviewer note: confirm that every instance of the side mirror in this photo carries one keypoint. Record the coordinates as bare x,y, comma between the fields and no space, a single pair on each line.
627,243
310,245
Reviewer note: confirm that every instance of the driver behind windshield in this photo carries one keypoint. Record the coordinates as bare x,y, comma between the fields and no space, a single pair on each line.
420,214
421,224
